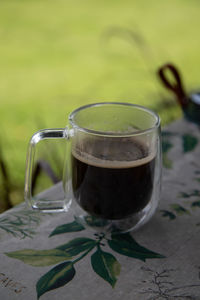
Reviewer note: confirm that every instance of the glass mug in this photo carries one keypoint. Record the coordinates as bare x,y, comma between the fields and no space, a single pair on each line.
112,168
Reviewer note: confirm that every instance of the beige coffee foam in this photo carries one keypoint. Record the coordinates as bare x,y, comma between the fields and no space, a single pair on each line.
114,164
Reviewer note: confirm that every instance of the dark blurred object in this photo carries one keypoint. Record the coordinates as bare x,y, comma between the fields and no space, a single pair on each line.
5,185
43,166
190,104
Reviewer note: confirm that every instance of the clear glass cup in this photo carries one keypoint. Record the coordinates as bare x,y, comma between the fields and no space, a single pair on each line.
112,168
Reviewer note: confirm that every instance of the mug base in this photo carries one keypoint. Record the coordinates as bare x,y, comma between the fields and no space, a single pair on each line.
127,224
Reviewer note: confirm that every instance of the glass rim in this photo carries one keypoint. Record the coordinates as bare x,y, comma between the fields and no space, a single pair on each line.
113,134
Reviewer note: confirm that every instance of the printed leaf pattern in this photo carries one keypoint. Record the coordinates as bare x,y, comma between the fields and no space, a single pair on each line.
189,142
95,222
169,214
106,266
55,278
126,245
77,246
103,263
180,210
167,163
20,224
70,227
40,258
191,194
196,204
166,146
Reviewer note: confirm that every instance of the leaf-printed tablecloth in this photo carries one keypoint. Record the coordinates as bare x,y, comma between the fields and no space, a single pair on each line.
44,256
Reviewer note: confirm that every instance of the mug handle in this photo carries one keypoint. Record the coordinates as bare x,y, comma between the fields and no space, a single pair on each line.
43,205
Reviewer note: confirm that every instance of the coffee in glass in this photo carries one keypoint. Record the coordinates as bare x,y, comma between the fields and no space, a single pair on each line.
116,185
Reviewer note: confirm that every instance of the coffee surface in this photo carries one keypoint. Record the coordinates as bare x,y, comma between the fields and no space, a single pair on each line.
112,179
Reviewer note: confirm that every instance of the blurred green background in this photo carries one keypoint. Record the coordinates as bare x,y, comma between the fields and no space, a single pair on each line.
58,55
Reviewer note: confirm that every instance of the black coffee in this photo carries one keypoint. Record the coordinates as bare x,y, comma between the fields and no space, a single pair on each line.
108,186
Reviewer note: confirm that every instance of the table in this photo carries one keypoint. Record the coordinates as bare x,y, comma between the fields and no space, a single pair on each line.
45,256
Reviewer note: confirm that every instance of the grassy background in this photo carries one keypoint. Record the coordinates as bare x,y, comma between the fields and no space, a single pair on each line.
58,55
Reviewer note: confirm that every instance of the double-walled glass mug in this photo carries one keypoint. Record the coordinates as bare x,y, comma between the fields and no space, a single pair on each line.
112,168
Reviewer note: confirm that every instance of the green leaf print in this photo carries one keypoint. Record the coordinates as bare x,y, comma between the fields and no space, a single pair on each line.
166,146
180,210
126,245
39,258
189,142
106,266
70,227
196,204
191,194
169,214
95,222
167,163
67,255
77,246
55,278
20,224
197,172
